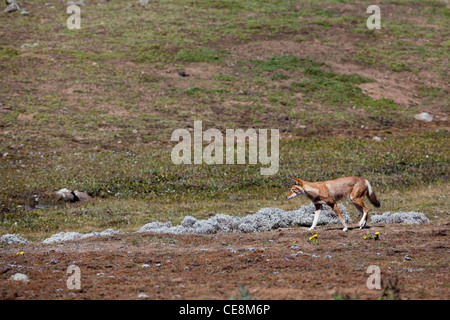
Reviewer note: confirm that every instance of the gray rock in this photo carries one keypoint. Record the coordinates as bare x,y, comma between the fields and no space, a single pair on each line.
82,196
29,45
65,195
12,238
424,116
72,196
69,236
19,277
11,8
188,222
76,3
377,139
265,219
411,217
63,236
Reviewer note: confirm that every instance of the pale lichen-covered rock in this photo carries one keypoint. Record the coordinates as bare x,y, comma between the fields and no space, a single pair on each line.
72,196
265,219
12,238
68,236
19,277
411,217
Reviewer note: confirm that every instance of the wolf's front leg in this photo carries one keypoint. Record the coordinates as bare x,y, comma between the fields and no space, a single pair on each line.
316,215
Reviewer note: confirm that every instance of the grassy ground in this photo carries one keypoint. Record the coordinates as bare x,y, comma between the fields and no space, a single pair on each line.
94,109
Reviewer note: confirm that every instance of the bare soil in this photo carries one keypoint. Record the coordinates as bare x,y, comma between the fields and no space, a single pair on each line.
269,264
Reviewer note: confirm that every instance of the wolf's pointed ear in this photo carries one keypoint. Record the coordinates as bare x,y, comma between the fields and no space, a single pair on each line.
297,181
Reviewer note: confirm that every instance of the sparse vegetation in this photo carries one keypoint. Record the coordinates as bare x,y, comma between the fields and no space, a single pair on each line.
390,289
244,294
94,109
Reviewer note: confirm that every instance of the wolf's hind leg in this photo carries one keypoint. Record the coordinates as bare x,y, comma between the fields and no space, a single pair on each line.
339,214
359,204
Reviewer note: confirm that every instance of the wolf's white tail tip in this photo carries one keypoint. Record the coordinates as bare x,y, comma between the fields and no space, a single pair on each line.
369,186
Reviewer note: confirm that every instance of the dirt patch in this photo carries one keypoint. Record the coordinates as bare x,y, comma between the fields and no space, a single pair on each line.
280,264
25,117
398,94
203,70
45,57
401,87
262,50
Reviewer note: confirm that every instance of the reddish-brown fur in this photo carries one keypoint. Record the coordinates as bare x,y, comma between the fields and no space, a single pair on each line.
331,191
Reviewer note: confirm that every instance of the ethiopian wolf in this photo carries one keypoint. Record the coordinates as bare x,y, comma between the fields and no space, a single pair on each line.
331,191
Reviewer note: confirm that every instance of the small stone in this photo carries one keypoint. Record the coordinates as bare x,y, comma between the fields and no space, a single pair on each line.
19,277
377,139
424,116
11,8
76,3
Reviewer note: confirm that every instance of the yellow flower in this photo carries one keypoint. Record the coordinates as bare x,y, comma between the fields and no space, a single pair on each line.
294,242
377,233
314,236
20,253
365,237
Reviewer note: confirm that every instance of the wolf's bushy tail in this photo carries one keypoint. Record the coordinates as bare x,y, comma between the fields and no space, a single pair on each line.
371,195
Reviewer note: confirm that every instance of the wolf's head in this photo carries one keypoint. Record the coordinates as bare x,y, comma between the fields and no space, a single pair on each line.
297,189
